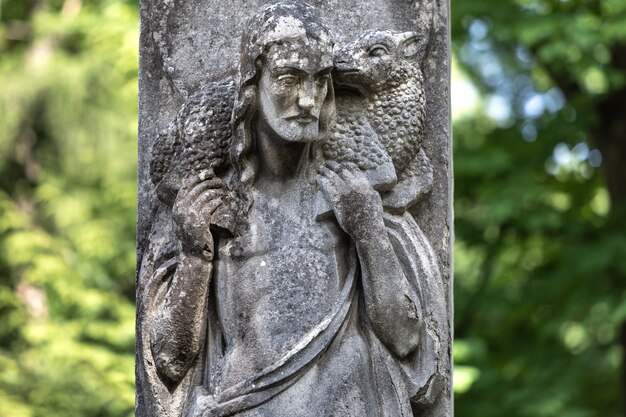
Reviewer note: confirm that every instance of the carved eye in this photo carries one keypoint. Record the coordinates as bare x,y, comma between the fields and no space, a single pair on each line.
288,80
378,50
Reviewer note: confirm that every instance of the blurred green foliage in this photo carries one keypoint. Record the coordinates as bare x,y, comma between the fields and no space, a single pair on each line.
68,117
540,190
540,251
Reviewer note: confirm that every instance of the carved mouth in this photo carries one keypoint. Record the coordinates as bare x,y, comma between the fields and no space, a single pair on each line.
344,76
347,80
345,89
303,118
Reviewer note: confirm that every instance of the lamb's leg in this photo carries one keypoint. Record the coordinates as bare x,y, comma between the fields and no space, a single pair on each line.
414,183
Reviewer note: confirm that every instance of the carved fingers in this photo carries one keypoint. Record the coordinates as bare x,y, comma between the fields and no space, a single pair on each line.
197,201
356,204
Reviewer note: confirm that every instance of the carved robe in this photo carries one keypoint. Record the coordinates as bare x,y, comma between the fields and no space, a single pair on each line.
334,365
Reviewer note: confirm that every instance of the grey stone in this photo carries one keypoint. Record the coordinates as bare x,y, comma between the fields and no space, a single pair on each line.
294,221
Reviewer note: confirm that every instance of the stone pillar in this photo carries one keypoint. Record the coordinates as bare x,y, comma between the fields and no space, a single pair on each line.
294,234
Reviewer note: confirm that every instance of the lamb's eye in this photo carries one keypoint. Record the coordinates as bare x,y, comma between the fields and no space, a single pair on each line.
378,50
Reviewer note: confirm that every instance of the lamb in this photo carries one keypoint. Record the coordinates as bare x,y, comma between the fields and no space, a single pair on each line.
384,67
197,142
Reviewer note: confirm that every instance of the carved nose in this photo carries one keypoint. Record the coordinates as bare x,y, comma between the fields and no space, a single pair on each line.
306,103
306,99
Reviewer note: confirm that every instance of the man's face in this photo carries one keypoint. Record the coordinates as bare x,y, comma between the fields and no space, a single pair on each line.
292,88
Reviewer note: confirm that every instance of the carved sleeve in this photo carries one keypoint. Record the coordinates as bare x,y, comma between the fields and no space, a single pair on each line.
179,327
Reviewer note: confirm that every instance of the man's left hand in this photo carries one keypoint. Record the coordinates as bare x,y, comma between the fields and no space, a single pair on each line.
356,204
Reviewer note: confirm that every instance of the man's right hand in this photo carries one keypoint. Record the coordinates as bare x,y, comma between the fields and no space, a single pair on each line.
200,196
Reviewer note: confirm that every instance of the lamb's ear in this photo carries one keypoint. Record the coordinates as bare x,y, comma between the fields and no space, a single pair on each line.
411,45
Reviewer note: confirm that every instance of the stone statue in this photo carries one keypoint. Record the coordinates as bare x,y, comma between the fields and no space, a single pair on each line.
285,275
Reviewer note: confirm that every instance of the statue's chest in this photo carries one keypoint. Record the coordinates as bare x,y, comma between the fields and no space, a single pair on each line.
282,276
285,245
287,225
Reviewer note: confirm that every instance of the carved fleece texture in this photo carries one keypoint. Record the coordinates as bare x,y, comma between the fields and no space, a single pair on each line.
392,84
354,140
197,140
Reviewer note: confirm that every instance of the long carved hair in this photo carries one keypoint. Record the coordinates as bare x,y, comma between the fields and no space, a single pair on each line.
256,42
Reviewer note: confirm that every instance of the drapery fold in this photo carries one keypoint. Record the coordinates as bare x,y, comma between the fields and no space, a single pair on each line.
397,381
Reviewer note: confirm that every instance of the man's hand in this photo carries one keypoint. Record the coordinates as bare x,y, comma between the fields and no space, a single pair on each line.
194,206
356,204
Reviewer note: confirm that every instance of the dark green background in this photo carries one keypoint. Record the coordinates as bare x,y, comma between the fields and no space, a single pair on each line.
540,196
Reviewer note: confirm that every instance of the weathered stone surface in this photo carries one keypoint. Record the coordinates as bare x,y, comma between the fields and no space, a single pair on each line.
294,221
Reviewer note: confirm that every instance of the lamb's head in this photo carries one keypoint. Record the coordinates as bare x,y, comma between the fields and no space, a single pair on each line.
377,61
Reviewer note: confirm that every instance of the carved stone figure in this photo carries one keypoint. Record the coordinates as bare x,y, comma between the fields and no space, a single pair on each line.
284,274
